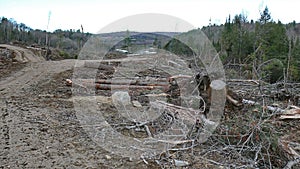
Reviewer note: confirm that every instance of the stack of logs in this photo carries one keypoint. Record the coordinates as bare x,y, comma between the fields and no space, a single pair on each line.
108,84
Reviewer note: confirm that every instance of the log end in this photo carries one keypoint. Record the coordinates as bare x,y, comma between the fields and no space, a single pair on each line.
218,85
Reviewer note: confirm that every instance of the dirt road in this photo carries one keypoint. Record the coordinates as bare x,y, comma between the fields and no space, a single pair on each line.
38,125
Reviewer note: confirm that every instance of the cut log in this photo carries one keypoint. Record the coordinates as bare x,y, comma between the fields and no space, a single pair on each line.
118,84
111,87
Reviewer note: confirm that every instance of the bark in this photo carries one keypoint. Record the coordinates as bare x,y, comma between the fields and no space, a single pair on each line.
111,87
117,84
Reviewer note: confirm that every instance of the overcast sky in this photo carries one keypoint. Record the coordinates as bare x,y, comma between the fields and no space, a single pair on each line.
96,14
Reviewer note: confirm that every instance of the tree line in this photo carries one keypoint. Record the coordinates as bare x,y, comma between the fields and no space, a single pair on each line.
265,49
69,42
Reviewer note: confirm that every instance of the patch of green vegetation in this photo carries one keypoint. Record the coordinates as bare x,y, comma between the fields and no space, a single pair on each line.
64,55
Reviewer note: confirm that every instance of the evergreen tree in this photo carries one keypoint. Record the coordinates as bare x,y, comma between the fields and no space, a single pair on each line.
295,61
236,40
265,16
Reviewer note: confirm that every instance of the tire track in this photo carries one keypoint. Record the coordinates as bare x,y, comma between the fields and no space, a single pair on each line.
4,134
23,138
23,143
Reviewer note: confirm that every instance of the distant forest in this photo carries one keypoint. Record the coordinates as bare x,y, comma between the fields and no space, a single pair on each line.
262,49
69,42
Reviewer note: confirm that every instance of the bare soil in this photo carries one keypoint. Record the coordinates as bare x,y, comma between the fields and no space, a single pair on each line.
38,125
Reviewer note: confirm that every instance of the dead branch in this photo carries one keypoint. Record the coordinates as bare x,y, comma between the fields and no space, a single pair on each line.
177,111
176,142
182,112
181,76
250,102
291,163
286,145
270,108
291,114
148,131
291,152
157,95
172,106
255,82
233,101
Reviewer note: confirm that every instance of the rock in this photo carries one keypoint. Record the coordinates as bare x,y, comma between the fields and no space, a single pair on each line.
107,157
179,163
136,104
121,99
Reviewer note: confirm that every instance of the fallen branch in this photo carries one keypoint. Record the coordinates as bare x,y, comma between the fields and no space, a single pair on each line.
287,147
270,108
256,82
176,142
157,95
148,131
291,114
181,76
173,106
291,163
249,102
233,101
180,112
176,111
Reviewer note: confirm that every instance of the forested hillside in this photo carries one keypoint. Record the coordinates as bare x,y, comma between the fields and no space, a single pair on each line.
68,42
269,46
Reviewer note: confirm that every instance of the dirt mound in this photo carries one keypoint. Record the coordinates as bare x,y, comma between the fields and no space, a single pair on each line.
21,54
